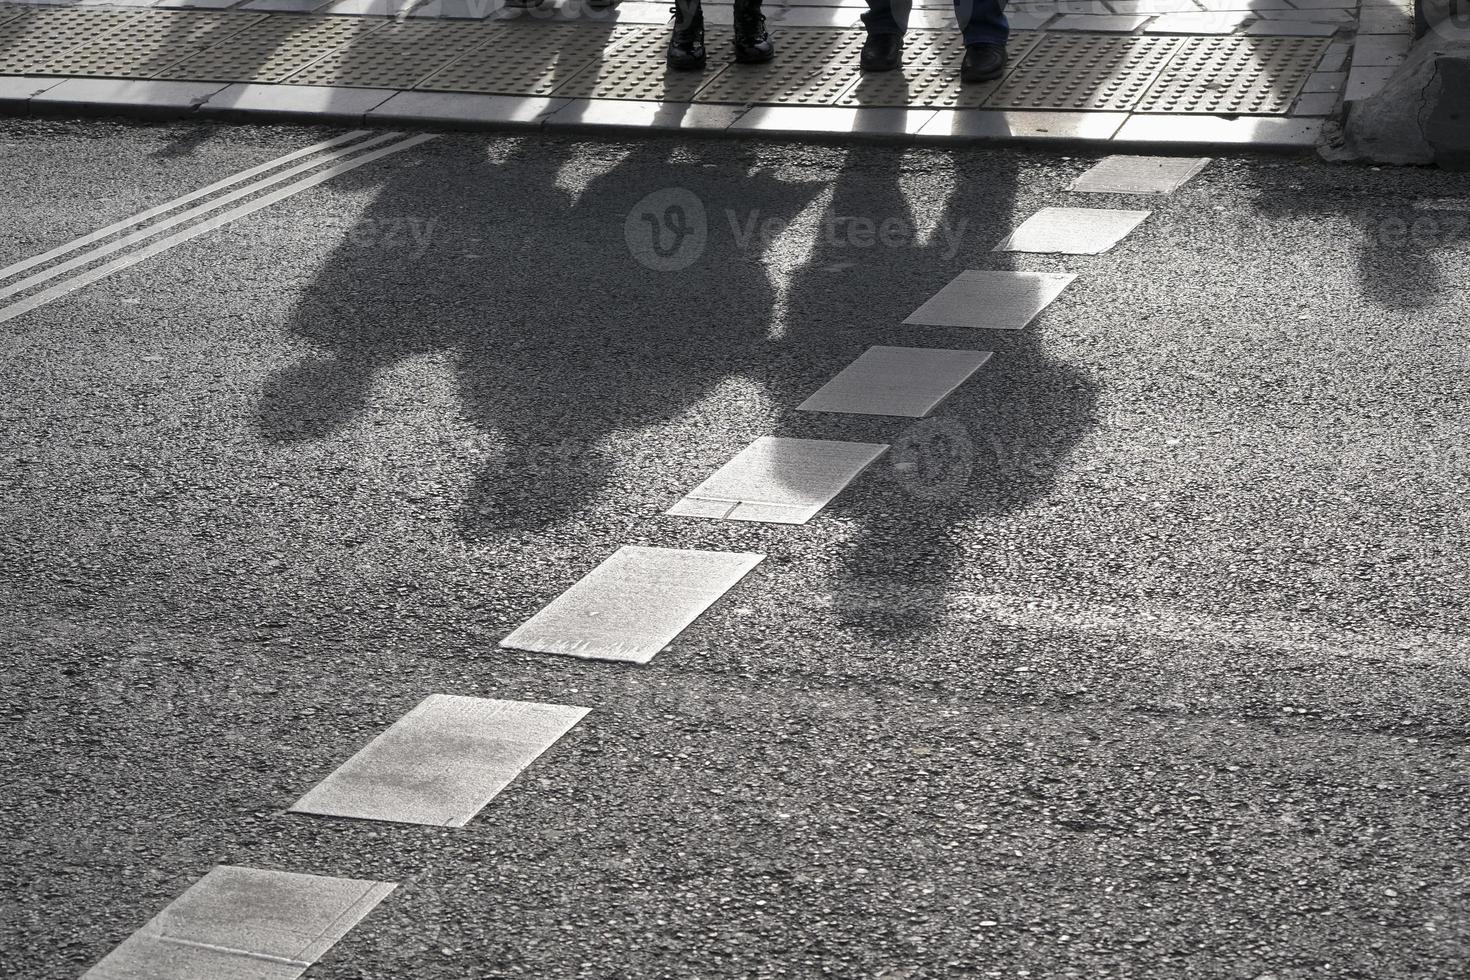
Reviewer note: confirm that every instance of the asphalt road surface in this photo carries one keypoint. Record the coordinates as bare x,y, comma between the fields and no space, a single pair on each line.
1145,657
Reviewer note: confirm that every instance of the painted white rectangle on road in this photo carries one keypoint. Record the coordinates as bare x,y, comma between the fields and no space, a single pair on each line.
1072,231
442,762
779,481
996,300
902,381
1139,175
243,924
632,605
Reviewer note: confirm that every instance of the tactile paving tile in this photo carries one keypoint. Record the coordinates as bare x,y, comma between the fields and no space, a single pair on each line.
525,58
814,66
41,35
930,75
1084,71
148,43
7,14
1235,75
636,69
397,55
271,49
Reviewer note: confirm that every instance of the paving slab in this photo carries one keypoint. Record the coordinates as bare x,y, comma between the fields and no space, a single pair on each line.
1380,50
778,481
1206,22
644,115
463,109
441,763
1072,231
987,124
992,300
907,382
171,98
632,605
875,121
243,924
1291,28
20,89
1123,174
315,101
1098,24
1212,131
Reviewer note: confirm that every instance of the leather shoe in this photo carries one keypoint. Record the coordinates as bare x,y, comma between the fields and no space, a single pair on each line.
881,52
983,62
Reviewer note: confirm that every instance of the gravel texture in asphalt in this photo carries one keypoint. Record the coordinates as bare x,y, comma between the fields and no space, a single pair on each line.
1145,656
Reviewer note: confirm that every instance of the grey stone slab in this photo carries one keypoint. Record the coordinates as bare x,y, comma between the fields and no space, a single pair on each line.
1324,4
1313,16
193,4
370,8
1248,6
1026,20
875,121
1380,50
1031,125
645,115
1099,24
441,763
1363,83
463,109
284,6
908,382
1291,28
1316,104
1335,57
243,924
1151,6
1325,81
22,88
1208,131
992,300
127,93
779,481
317,101
1384,20
1139,175
632,605
457,9
1072,231
1205,22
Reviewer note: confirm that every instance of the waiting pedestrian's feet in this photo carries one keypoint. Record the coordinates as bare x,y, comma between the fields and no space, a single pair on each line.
983,62
686,44
881,52
752,43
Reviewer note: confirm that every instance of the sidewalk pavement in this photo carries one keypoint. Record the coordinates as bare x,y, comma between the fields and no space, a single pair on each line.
1206,73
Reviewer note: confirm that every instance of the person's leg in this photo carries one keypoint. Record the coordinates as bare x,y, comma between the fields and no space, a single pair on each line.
887,16
886,21
982,21
752,43
686,44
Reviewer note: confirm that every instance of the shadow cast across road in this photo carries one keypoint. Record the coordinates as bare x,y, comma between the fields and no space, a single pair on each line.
577,312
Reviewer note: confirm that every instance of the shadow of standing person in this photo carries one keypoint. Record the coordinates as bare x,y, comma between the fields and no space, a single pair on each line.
562,336
993,447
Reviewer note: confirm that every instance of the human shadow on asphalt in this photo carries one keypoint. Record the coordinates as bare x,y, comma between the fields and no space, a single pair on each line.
560,336
990,450
565,336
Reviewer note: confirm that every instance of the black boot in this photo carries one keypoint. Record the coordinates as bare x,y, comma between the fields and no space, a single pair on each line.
686,44
752,43
881,52
983,62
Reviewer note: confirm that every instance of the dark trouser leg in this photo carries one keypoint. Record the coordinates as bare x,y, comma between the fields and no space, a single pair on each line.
687,14
981,21
888,16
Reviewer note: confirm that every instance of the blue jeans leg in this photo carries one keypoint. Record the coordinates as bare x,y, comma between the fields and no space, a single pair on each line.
982,21
887,16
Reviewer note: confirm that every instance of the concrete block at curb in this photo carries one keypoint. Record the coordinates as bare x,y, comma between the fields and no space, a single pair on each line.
141,97
645,115
316,102
998,125
1259,132
877,121
462,109
16,91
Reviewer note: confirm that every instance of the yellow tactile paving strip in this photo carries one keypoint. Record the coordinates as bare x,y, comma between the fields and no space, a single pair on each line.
816,67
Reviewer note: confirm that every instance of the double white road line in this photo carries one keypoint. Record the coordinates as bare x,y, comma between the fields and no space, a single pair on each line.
137,238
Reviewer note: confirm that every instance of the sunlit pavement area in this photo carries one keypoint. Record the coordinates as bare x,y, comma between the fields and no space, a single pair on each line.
1143,656
1262,73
